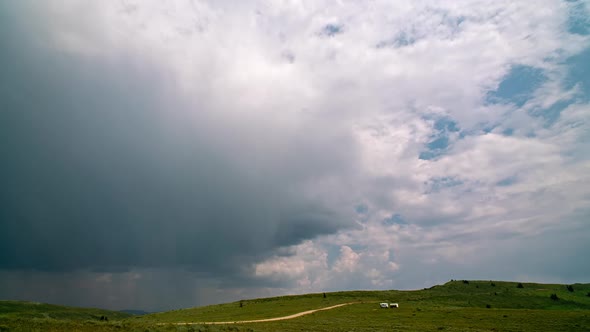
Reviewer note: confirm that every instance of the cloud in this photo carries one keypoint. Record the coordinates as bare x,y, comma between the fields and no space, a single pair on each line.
256,148
109,160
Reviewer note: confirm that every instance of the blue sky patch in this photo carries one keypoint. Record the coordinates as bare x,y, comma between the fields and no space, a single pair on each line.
331,30
440,140
446,124
508,132
579,73
578,22
489,128
428,155
437,184
395,219
551,114
518,86
357,247
507,181
410,35
436,147
404,40
361,209
440,143
453,23
401,40
333,252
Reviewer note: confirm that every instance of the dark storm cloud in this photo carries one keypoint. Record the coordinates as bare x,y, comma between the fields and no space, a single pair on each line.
101,170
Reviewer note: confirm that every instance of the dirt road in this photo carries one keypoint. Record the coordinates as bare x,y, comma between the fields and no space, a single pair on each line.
261,320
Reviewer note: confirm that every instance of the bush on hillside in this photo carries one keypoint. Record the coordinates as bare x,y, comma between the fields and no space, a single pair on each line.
466,282
520,285
570,288
554,297
493,285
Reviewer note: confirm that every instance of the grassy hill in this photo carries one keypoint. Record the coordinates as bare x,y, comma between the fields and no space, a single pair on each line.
454,306
34,316
35,310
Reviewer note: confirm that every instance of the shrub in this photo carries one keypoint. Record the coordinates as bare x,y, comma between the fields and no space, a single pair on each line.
493,285
570,288
488,306
520,285
466,282
588,294
554,297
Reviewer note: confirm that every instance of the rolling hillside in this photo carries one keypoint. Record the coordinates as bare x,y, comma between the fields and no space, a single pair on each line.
454,306
35,310
454,294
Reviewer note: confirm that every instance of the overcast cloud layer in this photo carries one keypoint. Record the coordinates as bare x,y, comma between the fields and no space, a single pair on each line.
160,155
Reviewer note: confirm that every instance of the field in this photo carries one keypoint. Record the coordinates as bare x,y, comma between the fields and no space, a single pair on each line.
454,306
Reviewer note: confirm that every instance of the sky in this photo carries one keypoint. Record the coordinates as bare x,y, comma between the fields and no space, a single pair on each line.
160,155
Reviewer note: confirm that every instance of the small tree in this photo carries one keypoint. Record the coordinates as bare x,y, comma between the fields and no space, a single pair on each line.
570,288
488,306
520,285
324,295
241,303
554,297
493,285
466,282
588,294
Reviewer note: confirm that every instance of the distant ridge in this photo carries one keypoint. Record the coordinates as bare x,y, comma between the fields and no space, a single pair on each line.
135,312
36,310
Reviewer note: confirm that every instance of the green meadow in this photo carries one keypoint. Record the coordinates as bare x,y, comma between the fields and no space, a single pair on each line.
454,306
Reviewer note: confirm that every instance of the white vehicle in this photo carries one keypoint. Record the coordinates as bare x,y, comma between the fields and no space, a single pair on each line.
394,305
384,305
